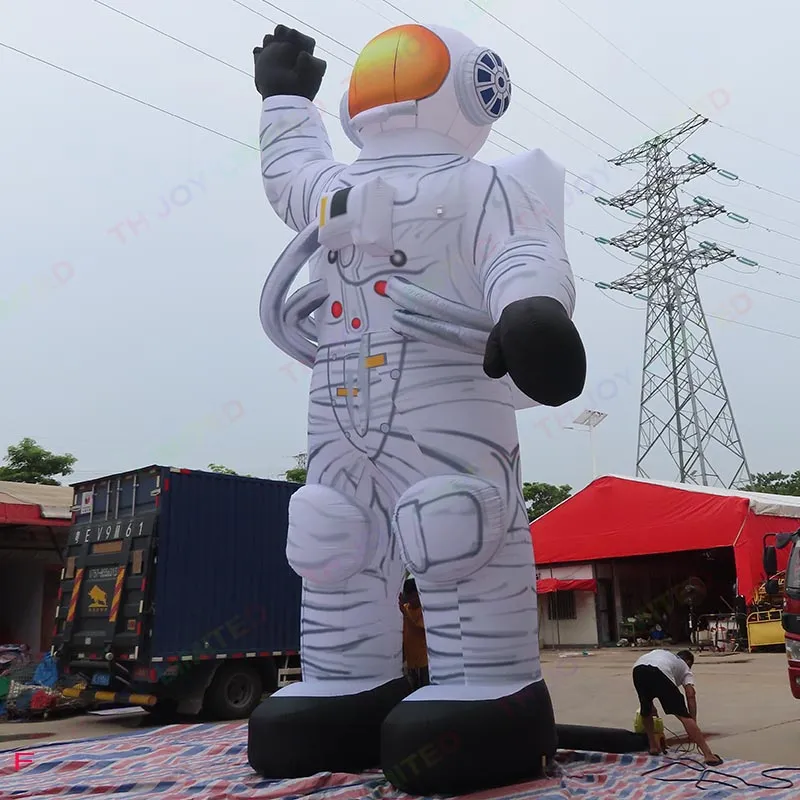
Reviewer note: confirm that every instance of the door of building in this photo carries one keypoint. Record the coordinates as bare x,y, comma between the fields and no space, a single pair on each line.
606,633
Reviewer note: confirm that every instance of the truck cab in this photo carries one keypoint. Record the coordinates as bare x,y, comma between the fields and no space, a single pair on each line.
790,618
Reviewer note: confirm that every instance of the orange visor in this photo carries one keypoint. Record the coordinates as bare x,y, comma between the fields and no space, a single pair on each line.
409,62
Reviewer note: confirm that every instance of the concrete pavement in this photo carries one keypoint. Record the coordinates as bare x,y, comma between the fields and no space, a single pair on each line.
744,704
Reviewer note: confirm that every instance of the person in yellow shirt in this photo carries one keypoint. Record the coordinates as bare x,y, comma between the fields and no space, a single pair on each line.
415,647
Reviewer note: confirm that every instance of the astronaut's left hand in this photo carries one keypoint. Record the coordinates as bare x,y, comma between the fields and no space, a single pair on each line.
538,346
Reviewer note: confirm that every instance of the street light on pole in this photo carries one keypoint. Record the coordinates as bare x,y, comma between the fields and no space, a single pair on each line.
587,421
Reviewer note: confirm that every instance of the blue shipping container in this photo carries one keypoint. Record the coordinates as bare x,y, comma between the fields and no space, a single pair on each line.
222,581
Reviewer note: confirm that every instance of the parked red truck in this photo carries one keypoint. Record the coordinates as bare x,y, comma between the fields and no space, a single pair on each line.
790,618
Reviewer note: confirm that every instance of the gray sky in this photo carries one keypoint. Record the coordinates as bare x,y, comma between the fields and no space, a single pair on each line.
130,343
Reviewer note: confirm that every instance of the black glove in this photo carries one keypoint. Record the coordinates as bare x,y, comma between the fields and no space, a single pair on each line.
536,343
285,65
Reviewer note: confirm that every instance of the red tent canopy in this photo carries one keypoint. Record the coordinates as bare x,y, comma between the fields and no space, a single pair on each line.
547,585
617,517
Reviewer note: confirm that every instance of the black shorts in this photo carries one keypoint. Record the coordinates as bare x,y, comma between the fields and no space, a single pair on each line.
652,684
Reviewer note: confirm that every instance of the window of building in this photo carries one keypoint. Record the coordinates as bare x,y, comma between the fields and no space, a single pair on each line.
561,606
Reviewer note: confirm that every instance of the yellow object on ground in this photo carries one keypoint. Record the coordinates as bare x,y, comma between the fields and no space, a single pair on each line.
764,628
638,726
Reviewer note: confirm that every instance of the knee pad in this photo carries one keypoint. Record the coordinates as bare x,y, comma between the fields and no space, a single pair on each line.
331,537
449,526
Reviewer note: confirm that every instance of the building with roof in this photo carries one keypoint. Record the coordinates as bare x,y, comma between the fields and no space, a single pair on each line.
635,546
33,534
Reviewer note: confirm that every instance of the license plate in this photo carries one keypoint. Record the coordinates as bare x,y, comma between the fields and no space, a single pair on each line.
101,679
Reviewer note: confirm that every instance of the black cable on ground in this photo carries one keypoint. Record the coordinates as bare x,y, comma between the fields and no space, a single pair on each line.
718,777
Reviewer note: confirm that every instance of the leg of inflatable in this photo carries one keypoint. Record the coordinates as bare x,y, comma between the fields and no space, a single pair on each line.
487,718
351,634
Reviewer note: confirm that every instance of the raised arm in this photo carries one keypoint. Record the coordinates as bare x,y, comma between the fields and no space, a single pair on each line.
529,292
296,158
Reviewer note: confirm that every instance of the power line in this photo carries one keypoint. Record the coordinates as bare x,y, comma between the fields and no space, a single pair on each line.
756,139
606,293
714,277
526,92
520,88
173,38
765,214
264,16
666,88
562,131
769,191
762,213
749,223
625,55
564,67
251,147
189,46
120,93
772,230
752,289
755,327
755,252
227,64
309,26
375,11
527,149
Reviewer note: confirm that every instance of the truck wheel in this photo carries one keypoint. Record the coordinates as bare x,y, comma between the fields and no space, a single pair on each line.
234,692
165,710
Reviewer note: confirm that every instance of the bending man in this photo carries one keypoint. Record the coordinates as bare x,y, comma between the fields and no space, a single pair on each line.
659,675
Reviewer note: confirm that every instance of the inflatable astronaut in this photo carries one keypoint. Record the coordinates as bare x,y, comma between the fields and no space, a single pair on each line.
439,300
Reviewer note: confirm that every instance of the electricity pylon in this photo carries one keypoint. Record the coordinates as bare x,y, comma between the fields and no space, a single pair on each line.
685,410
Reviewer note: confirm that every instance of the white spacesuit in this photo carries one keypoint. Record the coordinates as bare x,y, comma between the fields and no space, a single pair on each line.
413,456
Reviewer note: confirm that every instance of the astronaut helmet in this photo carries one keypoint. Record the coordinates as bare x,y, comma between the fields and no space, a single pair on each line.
426,77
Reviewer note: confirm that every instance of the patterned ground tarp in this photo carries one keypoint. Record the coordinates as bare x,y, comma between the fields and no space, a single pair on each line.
209,762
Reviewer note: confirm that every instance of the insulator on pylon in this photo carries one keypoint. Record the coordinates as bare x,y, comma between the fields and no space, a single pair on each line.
708,245
697,159
602,201
748,261
634,213
737,217
640,296
701,201
601,285
724,173
602,240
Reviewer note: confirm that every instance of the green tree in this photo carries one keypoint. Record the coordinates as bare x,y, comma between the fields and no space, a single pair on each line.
296,475
775,483
221,469
541,497
27,462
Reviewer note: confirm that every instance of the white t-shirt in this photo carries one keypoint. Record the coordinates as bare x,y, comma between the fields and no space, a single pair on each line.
676,669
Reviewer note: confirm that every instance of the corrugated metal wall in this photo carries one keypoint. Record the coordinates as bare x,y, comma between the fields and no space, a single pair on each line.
222,576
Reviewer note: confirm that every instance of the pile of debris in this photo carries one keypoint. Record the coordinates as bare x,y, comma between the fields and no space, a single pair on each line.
29,690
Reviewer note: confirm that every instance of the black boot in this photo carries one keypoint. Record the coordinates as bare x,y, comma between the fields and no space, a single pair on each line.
452,747
293,737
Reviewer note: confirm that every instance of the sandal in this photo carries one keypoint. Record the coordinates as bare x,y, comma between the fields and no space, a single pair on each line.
715,762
